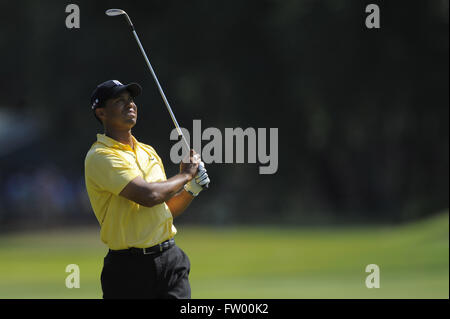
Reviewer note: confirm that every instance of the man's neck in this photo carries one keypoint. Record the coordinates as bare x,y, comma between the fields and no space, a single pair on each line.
123,137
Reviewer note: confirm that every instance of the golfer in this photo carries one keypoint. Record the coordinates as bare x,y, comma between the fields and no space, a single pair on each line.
135,203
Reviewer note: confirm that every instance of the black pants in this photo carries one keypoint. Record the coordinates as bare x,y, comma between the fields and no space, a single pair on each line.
163,275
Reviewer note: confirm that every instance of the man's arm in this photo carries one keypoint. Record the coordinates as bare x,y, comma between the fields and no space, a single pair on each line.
179,202
151,194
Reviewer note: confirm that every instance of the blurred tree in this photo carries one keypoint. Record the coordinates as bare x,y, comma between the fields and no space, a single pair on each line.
362,114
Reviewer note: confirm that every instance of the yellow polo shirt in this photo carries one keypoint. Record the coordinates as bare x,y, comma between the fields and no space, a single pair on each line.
109,167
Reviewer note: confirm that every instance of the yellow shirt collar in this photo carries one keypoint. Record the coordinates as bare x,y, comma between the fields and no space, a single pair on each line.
102,138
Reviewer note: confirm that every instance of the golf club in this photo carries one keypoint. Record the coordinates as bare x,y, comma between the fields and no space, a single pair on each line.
118,12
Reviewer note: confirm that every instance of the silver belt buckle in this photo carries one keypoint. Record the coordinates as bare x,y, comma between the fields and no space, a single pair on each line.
145,251
164,245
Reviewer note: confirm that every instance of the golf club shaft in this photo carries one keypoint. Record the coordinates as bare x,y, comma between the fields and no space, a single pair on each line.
180,133
160,90
117,12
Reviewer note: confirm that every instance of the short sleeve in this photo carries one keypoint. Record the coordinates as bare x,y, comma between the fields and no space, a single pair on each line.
109,172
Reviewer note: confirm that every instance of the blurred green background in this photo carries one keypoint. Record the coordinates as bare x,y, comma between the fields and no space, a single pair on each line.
256,262
362,114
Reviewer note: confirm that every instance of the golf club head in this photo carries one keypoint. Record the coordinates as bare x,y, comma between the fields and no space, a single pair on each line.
119,12
114,12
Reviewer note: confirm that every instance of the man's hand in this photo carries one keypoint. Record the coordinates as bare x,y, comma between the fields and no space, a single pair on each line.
202,177
201,180
190,167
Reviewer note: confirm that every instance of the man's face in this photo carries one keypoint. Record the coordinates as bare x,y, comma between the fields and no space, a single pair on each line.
119,112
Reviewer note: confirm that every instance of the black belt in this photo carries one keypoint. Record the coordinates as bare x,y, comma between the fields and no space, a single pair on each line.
149,250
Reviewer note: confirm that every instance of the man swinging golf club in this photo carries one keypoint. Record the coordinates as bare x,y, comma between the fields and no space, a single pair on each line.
135,204
132,199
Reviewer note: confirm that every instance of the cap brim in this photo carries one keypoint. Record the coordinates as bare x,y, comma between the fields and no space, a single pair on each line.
134,88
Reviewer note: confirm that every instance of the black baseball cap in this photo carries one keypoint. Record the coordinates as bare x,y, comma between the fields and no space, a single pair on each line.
111,89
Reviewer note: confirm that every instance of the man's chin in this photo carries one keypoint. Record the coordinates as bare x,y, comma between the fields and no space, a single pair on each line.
131,121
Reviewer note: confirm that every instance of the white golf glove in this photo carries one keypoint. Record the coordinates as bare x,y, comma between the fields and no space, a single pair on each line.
201,180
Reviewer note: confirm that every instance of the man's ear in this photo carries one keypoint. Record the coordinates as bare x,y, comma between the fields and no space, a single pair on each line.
100,112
